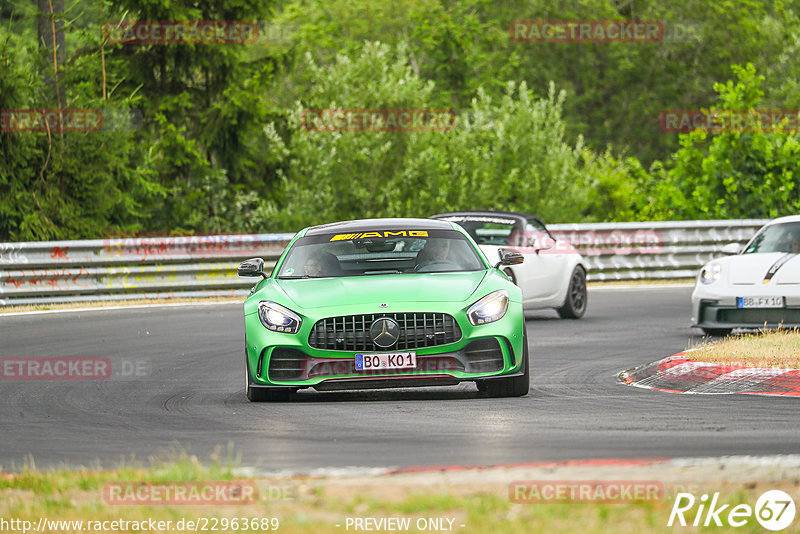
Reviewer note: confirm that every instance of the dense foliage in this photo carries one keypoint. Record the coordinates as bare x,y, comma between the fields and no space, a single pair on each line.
201,138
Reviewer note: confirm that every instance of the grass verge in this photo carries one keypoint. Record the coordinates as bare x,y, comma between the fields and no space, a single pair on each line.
464,500
778,348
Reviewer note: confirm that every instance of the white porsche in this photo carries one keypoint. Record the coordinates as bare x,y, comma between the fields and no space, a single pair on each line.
553,274
756,286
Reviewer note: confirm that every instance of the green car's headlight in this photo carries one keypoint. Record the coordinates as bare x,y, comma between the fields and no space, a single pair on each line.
278,318
489,309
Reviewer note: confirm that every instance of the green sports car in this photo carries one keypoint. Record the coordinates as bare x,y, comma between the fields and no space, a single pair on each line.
380,303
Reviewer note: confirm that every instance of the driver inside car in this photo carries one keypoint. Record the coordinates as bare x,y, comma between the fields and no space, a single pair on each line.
313,266
322,265
435,251
788,242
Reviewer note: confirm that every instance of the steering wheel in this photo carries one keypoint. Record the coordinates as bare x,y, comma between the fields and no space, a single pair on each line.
435,266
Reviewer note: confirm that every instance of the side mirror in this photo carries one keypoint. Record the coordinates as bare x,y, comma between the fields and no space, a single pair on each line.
251,267
508,257
545,243
731,248
543,246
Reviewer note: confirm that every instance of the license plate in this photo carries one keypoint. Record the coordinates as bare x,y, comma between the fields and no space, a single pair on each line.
759,302
386,360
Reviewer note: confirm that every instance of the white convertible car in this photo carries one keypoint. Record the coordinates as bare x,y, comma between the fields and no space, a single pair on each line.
553,274
755,286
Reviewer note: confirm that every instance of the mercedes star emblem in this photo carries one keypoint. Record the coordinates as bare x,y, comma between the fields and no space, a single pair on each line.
384,332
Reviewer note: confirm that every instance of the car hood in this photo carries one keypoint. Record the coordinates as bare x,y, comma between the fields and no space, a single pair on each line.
752,268
418,287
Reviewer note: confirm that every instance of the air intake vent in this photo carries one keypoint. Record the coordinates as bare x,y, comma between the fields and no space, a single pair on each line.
417,330
286,364
484,356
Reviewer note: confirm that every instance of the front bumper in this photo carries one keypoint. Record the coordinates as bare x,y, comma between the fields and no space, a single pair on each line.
483,352
717,307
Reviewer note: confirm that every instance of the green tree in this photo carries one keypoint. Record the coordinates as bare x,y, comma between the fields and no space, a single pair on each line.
504,153
72,184
615,91
205,112
731,174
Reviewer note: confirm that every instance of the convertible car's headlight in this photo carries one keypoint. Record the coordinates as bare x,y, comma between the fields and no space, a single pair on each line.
278,318
489,309
710,273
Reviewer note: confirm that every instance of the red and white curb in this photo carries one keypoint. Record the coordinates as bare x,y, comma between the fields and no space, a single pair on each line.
680,374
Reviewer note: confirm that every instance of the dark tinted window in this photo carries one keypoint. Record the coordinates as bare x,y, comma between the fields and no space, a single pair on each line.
380,252
783,237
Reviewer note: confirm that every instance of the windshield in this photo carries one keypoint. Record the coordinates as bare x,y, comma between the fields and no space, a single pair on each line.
380,252
490,230
502,231
783,237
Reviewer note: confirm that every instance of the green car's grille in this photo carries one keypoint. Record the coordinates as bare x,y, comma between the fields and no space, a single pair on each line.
417,330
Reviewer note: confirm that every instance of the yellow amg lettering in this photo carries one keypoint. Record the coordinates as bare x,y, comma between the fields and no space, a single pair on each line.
387,233
342,237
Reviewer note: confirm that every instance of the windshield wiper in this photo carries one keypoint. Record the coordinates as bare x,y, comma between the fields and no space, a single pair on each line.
298,277
370,273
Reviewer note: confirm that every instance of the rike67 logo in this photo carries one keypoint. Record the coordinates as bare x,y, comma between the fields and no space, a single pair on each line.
774,510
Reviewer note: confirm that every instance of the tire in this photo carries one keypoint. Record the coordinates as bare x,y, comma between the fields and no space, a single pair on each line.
262,394
719,332
515,386
575,304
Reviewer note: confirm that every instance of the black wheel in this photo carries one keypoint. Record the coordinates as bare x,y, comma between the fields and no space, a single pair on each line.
515,386
717,331
575,304
262,394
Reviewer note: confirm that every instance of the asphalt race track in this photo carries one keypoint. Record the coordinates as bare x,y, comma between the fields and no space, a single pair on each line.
185,393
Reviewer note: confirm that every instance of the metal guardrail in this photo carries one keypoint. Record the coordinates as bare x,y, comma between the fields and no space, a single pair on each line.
131,268
659,250
203,266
